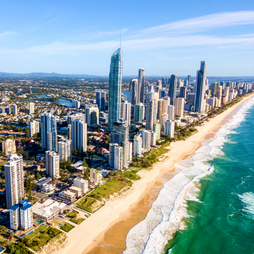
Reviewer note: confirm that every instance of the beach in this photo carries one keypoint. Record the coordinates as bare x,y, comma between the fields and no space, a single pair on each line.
106,230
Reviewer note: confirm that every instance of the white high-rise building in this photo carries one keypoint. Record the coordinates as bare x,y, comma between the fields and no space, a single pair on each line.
14,179
52,164
79,116
169,128
34,128
64,149
8,146
48,132
76,103
137,145
79,135
126,112
179,106
146,139
15,109
171,112
118,157
31,108
151,109
21,214
139,113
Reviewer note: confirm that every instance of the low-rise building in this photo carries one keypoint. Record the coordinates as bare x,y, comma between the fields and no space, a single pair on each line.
68,195
48,209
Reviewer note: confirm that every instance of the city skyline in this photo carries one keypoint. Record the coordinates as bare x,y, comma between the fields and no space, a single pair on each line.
79,39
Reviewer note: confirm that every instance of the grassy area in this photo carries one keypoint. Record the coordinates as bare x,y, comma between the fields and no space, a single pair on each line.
2,163
89,204
72,214
66,227
41,239
77,221
110,187
36,231
131,174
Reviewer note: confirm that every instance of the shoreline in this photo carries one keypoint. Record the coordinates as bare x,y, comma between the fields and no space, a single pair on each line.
111,224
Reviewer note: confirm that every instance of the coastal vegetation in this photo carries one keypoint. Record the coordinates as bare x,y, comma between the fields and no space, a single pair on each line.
66,227
110,187
131,174
41,238
77,220
89,204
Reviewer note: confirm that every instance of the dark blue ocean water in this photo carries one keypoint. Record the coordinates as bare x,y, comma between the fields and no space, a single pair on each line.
223,220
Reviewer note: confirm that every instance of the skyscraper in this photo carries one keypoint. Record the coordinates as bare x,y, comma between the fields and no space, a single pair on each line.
137,145
169,128
183,92
115,88
141,85
31,108
200,88
14,179
92,115
48,132
139,112
64,149
151,109
126,112
101,99
179,106
172,88
79,135
52,164
134,92
15,109
120,135
34,128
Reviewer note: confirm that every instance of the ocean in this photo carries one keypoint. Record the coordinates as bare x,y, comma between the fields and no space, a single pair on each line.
208,207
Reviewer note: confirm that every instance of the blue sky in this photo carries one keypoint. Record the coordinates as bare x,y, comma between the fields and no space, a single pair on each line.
164,37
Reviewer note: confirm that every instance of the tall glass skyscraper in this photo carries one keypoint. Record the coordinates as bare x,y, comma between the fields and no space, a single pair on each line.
115,88
172,88
200,88
141,85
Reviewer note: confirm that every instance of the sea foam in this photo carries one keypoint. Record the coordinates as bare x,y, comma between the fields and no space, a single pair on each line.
167,212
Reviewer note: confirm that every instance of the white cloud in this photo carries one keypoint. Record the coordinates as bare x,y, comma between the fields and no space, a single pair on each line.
225,19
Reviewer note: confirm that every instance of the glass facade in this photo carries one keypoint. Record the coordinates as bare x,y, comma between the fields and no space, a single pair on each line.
115,88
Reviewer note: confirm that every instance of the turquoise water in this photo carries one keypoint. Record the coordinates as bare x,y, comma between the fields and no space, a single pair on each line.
60,101
208,207
222,221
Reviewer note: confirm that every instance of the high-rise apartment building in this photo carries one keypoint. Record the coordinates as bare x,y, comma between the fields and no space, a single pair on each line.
14,179
172,88
31,108
79,135
134,92
48,132
171,112
163,104
151,109
126,112
115,88
179,106
8,146
120,135
92,115
169,128
15,109
64,149
21,215
34,128
141,85
139,112
200,88
101,99
52,164
76,104
79,116
137,142
183,92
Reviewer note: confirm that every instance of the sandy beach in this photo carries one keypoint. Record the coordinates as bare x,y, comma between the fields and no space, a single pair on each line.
106,230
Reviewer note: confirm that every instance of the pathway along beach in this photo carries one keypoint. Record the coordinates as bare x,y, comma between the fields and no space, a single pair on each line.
106,230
